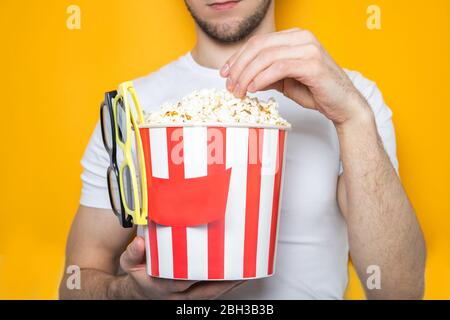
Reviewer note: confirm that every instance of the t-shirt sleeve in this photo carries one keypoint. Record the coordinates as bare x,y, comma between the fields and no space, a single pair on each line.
95,162
383,115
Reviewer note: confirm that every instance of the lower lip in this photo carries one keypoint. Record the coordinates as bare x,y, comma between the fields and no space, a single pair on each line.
224,6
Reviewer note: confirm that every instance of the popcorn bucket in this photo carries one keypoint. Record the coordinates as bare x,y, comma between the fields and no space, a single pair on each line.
214,195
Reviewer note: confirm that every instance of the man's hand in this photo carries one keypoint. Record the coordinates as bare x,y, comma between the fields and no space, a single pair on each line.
132,262
92,248
381,221
294,63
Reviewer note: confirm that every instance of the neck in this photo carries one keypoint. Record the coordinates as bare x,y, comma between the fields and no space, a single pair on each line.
212,54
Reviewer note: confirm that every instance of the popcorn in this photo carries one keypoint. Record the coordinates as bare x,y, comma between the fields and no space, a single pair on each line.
212,106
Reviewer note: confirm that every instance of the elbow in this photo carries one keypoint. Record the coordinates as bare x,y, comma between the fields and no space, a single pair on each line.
63,293
419,292
414,288
414,291
420,278
399,292
64,290
414,272
407,283
418,273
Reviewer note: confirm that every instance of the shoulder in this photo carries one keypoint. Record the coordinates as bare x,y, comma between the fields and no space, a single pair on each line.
369,89
383,114
155,88
363,84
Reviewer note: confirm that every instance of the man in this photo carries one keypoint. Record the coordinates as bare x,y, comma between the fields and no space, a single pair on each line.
341,193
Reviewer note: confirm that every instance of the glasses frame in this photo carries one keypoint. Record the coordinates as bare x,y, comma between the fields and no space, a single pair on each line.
139,213
127,216
124,220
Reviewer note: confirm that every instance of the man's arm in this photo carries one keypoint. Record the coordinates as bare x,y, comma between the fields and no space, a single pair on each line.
98,245
383,229
95,244
382,226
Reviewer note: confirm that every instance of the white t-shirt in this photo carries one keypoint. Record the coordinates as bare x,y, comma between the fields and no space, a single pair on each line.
312,251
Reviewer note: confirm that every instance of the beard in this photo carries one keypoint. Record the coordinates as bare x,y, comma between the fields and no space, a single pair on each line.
226,33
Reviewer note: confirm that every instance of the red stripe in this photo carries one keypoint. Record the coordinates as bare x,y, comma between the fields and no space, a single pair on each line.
216,230
145,137
252,202
216,242
176,172
179,248
153,240
276,201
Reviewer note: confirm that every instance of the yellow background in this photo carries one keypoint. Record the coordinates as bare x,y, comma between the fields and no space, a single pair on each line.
53,79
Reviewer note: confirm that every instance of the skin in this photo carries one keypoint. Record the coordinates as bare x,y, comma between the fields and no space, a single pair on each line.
382,225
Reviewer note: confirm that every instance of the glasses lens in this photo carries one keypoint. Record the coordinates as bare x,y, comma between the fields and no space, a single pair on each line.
114,192
128,188
106,127
121,120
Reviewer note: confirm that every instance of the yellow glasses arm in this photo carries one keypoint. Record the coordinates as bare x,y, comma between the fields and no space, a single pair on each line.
127,87
139,213
141,217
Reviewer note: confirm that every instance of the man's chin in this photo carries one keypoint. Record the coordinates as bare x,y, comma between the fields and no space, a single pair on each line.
226,30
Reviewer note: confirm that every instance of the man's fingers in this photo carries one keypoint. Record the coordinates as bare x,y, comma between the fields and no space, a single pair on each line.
299,93
173,286
275,77
290,30
279,85
267,57
294,90
226,68
304,71
233,58
207,290
248,52
134,255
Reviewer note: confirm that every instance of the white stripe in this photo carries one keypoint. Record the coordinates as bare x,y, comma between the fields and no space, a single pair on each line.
165,253
140,231
147,248
268,168
195,147
158,150
197,252
230,138
237,154
269,152
283,164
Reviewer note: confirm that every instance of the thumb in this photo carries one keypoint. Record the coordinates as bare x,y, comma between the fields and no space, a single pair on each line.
299,93
134,256
294,90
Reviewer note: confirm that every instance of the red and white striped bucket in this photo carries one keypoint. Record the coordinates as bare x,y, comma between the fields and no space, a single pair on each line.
214,201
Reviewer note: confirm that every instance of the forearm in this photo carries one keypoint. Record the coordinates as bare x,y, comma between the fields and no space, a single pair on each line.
382,226
99,285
